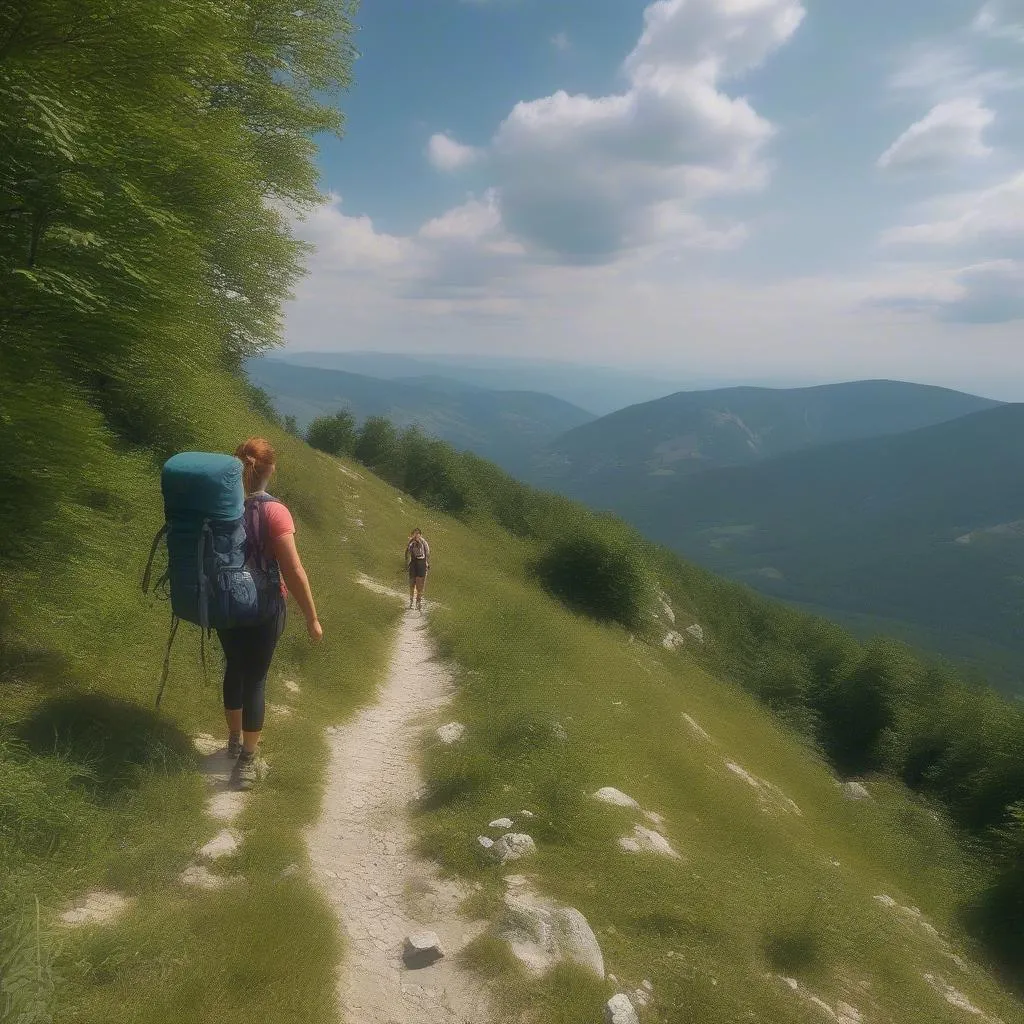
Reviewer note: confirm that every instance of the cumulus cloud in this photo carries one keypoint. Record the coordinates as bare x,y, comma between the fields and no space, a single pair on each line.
994,213
584,178
447,154
949,134
1002,19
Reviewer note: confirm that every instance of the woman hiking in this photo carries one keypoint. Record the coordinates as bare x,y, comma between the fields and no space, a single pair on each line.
249,650
417,558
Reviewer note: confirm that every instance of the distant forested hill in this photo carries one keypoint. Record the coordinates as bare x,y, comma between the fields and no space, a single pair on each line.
504,426
638,448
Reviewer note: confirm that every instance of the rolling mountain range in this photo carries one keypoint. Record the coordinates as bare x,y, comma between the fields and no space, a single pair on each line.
638,448
504,426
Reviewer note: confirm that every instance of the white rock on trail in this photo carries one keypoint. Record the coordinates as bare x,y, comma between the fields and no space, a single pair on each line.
292,687
666,607
655,818
643,996
644,840
697,632
577,941
451,733
503,823
513,846
615,797
421,949
855,791
99,907
526,814
541,933
619,1010
673,641
224,844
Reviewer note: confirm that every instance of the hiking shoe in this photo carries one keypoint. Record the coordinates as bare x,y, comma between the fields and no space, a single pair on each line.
234,747
246,771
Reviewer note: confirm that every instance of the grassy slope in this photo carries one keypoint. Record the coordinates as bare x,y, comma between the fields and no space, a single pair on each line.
269,949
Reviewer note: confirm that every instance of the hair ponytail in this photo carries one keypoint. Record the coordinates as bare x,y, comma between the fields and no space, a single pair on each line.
258,460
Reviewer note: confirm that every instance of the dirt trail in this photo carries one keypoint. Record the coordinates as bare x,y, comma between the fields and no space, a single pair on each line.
362,854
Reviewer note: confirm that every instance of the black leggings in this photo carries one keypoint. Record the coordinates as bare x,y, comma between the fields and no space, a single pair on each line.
248,651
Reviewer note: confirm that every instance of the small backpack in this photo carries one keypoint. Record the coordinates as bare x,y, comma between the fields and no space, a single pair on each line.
417,549
218,572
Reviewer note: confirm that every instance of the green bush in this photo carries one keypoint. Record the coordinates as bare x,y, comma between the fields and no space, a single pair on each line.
377,444
599,574
335,434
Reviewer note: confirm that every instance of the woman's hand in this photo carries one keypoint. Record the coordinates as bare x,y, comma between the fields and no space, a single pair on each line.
315,630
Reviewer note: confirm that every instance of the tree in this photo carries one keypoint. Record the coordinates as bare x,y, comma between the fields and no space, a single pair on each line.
291,424
377,444
335,434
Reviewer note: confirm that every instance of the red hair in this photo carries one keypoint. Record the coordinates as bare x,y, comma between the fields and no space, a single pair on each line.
259,458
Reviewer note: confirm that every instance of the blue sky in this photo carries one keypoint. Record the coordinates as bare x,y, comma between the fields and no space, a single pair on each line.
788,190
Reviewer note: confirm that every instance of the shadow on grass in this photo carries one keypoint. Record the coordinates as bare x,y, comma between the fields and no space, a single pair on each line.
995,919
793,949
119,742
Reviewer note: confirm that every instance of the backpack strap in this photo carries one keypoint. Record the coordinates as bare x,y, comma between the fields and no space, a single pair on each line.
175,622
148,574
256,530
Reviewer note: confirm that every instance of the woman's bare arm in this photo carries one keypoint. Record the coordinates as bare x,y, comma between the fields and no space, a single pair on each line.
287,555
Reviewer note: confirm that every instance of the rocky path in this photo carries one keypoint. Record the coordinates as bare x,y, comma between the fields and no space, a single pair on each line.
361,851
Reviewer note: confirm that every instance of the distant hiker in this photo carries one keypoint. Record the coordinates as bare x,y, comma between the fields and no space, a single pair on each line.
249,649
417,558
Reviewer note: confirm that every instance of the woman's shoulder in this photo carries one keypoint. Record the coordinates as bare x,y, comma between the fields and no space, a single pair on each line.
279,517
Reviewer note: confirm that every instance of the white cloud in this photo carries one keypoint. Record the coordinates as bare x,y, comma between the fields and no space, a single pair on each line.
350,244
1002,19
950,133
561,42
447,154
989,214
585,178
721,37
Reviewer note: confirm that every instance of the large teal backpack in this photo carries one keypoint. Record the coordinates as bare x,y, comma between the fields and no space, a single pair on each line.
219,574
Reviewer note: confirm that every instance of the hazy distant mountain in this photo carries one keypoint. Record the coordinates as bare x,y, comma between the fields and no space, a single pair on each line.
924,528
505,426
598,389
636,449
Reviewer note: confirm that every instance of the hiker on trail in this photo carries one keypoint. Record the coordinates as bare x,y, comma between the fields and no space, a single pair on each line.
248,650
417,558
